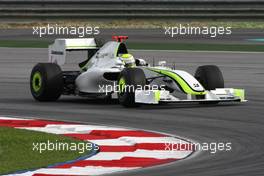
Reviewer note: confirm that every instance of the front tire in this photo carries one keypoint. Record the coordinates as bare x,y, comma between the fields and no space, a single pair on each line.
210,76
129,80
46,82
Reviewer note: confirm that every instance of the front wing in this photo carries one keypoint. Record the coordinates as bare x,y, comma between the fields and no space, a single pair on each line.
217,95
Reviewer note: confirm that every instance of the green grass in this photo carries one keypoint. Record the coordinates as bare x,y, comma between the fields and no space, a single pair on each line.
16,150
25,43
148,46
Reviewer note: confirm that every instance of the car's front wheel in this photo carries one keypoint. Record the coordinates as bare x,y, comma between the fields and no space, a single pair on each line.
46,82
210,76
129,80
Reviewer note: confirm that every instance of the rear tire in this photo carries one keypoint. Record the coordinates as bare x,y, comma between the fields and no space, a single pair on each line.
46,82
210,76
130,77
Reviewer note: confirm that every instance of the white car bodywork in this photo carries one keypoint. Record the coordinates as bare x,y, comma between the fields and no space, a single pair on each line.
57,50
106,60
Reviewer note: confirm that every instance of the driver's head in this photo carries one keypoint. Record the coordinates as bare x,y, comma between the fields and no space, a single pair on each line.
128,60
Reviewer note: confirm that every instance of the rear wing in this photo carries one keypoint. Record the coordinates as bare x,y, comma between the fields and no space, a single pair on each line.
57,50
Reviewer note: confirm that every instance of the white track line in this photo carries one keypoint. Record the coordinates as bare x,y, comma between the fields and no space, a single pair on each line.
88,170
64,129
128,141
157,154
11,118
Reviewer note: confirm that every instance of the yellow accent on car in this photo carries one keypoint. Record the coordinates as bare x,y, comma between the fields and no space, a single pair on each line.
126,56
121,84
128,60
36,81
240,93
157,95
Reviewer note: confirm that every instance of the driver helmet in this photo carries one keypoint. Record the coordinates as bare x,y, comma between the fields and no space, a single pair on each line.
128,60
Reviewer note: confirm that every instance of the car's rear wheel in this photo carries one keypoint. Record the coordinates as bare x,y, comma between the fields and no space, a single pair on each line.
46,82
129,80
210,76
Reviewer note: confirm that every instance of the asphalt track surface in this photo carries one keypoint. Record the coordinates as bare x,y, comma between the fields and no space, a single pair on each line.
241,124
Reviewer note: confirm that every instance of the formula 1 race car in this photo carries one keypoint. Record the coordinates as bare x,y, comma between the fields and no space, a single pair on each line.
109,71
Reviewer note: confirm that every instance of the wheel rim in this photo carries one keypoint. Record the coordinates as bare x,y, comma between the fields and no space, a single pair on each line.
121,84
36,82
